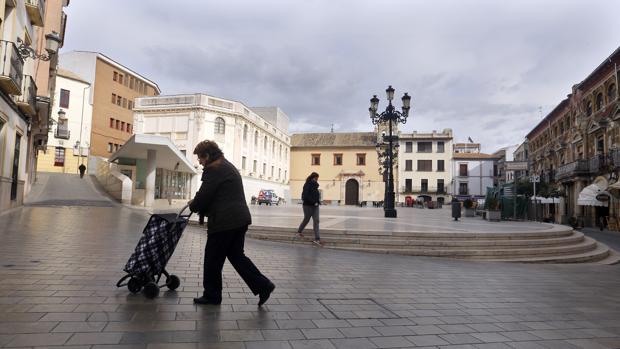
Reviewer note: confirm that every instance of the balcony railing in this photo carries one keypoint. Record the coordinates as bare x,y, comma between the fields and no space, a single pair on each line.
11,68
423,190
62,133
36,11
27,102
573,169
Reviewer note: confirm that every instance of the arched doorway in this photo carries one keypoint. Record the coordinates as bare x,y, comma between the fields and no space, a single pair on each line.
351,195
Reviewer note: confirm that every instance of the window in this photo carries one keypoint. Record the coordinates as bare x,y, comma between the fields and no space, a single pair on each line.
279,173
115,76
111,122
338,159
463,170
285,173
408,185
129,127
272,171
408,165
131,81
59,156
243,162
264,169
425,165
115,147
424,185
119,99
408,147
599,101
273,148
124,102
315,159
122,126
220,126
611,93
425,147
265,144
256,138
110,145
463,189
440,166
114,98
361,159
120,79
440,187
64,98
130,105
280,152
245,133
440,147
589,108
254,166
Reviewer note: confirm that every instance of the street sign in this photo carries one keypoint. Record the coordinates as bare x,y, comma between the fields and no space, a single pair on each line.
516,165
534,179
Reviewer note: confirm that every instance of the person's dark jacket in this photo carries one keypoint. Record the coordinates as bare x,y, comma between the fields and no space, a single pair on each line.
310,195
221,197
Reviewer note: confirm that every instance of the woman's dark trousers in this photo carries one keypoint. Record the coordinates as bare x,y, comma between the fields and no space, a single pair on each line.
229,244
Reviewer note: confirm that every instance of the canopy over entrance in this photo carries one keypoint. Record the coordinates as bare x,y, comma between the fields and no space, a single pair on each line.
592,195
168,155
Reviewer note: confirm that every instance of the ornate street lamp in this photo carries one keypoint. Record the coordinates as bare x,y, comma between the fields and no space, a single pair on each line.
390,116
52,43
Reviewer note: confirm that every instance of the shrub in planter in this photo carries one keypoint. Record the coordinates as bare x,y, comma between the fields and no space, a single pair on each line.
493,214
470,211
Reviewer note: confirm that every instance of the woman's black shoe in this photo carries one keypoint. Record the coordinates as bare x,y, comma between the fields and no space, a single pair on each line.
264,296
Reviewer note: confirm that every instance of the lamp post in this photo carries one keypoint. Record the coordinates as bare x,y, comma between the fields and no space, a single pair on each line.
391,116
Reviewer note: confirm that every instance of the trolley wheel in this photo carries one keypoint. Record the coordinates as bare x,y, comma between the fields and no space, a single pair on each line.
151,290
134,285
173,282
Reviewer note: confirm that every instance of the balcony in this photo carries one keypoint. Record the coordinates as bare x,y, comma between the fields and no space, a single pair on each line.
62,133
27,102
36,11
11,68
423,190
574,169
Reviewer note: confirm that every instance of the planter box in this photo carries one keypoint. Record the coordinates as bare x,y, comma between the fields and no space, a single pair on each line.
494,216
470,212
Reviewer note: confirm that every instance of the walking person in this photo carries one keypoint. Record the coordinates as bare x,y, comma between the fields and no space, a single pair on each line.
82,169
311,199
222,200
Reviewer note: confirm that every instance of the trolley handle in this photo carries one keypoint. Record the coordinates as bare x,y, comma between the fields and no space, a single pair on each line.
180,214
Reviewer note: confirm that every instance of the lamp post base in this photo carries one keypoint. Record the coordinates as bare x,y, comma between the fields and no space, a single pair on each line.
390,213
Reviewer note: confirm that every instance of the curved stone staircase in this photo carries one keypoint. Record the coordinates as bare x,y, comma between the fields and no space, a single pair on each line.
558,244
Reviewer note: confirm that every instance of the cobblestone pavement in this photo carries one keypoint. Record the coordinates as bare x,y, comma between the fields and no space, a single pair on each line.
59,265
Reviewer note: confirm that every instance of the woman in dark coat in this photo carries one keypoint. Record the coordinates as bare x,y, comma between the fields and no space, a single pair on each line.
222,200
311,199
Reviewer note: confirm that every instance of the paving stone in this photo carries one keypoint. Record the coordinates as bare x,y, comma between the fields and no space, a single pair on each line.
320,333
390,342
282,334
353,343
351,332
312,344
95,338
427,340
38,339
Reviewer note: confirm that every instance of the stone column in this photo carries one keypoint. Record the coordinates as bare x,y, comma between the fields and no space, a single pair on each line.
149,195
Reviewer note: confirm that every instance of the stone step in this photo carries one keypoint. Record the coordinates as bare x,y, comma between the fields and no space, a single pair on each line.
582,247
552,231
600,255
400,243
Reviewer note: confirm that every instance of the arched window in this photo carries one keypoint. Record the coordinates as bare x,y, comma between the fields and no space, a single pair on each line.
589,108
265,143
245,133
611,93
220,126
273,148
599,101
256,138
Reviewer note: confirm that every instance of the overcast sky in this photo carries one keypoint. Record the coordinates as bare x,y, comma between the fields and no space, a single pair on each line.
483,68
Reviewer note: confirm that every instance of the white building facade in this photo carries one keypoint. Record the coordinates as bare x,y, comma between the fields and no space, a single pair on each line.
255,140
69,138
472,174
424,169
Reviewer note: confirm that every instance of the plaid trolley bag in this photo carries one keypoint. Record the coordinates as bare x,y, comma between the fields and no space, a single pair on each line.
146,265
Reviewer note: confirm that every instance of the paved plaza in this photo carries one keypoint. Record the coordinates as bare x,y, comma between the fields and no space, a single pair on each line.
62,254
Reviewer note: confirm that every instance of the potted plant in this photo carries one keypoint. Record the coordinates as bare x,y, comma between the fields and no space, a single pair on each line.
493,212
470,211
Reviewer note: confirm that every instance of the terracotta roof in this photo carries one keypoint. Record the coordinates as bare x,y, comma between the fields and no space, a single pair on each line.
349,139
71,75
474,156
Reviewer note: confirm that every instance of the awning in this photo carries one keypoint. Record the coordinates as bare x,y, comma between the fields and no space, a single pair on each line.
168,155
542,200
588,196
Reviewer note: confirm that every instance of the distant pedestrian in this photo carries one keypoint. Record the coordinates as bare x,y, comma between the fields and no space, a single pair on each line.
456,208
311,199
82,169
222,199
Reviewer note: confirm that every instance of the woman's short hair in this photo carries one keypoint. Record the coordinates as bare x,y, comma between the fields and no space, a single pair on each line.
210,148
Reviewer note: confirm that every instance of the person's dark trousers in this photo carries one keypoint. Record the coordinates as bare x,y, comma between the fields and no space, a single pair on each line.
229,244
311,212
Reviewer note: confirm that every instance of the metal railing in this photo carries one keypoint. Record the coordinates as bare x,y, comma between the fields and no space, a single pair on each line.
36,11
423,190
62,133
11,67
28,99
576,168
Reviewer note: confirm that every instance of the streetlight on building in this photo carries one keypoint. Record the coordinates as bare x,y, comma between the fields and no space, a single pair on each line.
390,116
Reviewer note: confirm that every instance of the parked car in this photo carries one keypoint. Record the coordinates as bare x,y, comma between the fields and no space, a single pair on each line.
268,197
